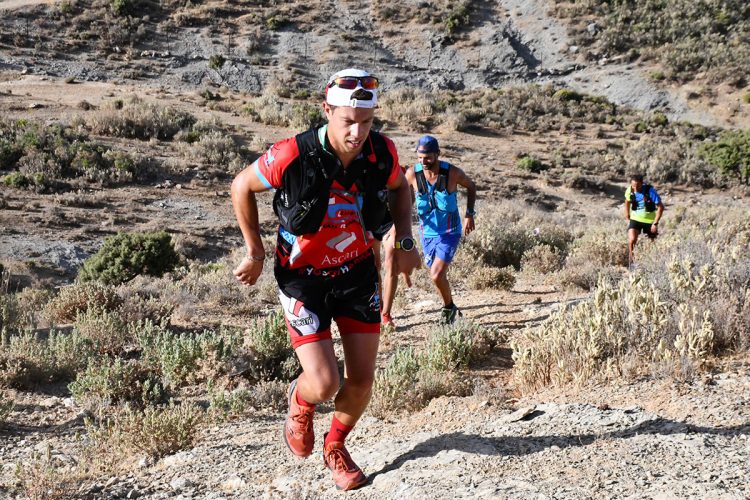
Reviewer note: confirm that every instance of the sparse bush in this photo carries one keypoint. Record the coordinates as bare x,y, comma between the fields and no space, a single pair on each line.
45,155
185,358
686,304
496,278
46,477
217,149
156,431
28,359
458,17
108,382
567,95
126,255
135,118
746,98
271,355
78,298
541,259
265,395
105,329
707,37
410,380
216,61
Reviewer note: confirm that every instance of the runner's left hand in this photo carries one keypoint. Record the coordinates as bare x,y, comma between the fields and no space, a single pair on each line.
468,225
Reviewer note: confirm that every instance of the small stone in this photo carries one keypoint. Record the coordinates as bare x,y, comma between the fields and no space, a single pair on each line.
180,483
112,480
233,484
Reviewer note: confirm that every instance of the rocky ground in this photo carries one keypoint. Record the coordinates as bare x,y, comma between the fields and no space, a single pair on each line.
642,440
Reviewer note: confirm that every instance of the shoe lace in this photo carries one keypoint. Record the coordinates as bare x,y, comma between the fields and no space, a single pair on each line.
340,460
303,419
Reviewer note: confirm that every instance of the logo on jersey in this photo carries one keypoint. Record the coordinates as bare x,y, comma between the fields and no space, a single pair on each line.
342,241
304,321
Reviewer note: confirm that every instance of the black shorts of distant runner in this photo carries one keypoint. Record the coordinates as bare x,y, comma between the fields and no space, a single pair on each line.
642,227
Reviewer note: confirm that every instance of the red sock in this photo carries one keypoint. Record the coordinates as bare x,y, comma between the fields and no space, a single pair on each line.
301,401
338,431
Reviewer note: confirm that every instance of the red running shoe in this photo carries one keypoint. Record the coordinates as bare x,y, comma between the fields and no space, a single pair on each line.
298,428
346,474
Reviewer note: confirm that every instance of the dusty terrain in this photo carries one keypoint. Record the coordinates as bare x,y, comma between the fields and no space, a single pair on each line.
642,440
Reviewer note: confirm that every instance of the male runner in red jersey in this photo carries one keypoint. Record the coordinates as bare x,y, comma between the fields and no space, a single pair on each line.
330,274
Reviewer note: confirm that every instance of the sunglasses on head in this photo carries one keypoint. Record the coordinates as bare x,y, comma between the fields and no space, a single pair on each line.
351,82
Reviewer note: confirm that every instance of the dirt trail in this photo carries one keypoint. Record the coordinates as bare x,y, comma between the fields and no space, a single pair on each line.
17,4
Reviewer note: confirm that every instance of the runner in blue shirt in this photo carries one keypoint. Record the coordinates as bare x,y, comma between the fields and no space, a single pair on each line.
435,185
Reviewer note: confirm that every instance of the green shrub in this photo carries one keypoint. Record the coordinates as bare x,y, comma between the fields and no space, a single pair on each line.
659,119
530,164
108,382
730,154
458,17
120,7
452,347
567,95
126,255
185,358
216,61
270,351
746,98
273,23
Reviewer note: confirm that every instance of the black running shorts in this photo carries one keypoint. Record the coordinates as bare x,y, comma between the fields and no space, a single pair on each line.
311,298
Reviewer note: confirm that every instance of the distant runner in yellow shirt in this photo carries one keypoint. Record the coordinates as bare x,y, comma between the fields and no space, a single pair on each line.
643,208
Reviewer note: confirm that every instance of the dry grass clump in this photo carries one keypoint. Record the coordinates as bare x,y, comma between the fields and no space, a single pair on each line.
688,302
107,382
137,119
47,477
271,109
542,259
77,298
414,109
29,359
411,379
6,406
708,37
154,430
600,251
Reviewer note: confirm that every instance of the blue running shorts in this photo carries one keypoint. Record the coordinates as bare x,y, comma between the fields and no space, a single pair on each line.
442,247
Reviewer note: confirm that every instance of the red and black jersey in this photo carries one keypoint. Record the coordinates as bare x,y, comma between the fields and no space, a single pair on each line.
342,237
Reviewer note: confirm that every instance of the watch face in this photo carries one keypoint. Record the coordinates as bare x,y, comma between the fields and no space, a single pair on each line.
407,244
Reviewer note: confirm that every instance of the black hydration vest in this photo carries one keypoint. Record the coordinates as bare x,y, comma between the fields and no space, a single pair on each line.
647,201
302,200
442,180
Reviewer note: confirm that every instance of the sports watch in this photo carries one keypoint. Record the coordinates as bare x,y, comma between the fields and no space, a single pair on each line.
470,212
406,244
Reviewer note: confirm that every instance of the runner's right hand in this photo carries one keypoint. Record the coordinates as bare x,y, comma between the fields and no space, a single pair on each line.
248,271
